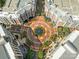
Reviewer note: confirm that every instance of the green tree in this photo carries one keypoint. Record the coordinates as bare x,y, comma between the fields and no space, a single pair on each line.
63,31
66,31
39,7
47,19
53,37
30,54
40,54
2,3
47,43
53,23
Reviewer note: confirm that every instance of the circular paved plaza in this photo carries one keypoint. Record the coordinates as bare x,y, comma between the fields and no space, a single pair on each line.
45,30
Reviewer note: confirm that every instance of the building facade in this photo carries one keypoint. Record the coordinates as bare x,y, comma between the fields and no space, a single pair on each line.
8,48
20,11
69,49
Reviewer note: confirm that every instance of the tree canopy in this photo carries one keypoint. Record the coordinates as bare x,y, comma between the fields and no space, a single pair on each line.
40,54
30,54
2,3
63,31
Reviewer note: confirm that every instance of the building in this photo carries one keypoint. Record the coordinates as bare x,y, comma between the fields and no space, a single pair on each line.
26,13
17,12
55,13
7,18
54,10
51,8
4,33
69,49
36,42
68,5
8,48
10,51
14,5
71,21
25,36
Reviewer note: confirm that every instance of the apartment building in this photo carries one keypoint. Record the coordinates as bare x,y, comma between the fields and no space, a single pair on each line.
10,51
17,11
26,13
69,49
8,48
68,5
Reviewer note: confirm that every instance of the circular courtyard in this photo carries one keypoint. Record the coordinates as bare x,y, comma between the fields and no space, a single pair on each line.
41,29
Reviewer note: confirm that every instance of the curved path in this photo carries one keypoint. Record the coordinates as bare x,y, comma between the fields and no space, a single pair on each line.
46,26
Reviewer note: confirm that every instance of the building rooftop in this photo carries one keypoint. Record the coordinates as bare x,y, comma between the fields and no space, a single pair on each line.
32,37
1,31
70,49
3,54
64,53
7,52
14,5
23,3
10,5
72,6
